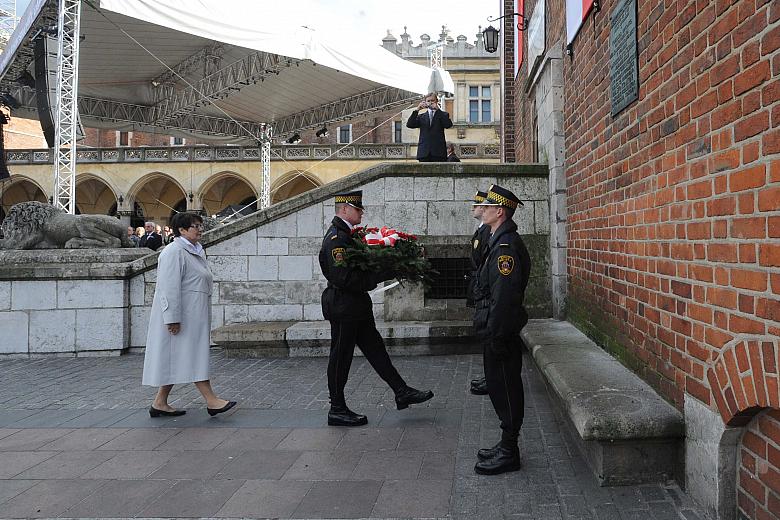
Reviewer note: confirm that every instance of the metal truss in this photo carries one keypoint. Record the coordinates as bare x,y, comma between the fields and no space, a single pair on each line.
382,98
208,59
67,107
219,85
265,158
8,19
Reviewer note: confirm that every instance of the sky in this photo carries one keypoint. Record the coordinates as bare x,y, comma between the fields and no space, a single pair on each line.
369,20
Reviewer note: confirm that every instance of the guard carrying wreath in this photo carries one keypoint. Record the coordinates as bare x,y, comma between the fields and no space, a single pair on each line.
347,305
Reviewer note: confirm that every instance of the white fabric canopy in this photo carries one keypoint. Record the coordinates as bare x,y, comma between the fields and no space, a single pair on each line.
265,26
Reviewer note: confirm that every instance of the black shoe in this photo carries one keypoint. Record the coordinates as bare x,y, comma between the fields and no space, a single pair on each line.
479,386
504,460
343,416
409,395
214,411
154,412
488,453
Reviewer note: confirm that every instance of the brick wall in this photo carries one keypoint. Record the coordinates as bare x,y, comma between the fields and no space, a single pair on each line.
509,106
674,209
758,494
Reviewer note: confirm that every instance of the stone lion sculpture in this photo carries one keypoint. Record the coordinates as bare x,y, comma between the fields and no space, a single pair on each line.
37,225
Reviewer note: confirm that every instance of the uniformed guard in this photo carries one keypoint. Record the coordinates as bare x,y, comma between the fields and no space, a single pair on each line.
347,305
479,242
498,320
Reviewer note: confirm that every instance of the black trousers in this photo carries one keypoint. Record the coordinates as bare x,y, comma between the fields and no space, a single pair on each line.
503,372
432,158
344,336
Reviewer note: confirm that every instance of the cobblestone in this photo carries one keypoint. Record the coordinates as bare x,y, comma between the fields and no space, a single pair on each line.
76,441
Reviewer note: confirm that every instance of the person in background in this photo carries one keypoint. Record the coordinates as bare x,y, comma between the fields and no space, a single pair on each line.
132,236
179,336
431,146
139,233
479,242
151,239
451,157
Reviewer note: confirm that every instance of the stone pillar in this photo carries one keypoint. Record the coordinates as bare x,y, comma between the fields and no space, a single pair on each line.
124,216
710,460
548,96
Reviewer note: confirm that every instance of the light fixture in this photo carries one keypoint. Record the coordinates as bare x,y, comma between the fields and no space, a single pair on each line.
155,83
490,34
191,196
120,199
294,139
322,132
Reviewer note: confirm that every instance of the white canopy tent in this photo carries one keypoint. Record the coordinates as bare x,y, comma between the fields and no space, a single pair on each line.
247,57
217,69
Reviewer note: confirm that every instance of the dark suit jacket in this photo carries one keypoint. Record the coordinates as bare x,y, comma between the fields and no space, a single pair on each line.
431,142
151,240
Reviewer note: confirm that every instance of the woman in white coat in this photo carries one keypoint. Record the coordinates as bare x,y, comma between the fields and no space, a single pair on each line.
177,344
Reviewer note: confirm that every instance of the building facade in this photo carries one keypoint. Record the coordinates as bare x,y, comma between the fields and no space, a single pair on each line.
661,126
145,176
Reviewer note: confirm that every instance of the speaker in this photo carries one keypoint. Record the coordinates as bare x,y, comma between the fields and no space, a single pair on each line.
46,88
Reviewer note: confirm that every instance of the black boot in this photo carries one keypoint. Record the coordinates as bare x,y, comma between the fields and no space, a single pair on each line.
505,459
488,453
479,386
343,416
408,395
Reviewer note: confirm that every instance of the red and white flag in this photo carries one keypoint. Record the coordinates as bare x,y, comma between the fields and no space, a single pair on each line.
576,12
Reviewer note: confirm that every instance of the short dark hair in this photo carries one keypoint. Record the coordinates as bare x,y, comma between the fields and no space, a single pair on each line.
184,220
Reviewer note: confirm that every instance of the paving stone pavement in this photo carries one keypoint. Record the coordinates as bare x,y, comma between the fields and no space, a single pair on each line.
76,441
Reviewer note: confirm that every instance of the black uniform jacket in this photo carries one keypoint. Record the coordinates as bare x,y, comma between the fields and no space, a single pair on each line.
479,243
501,283
346,296
432,142
151,240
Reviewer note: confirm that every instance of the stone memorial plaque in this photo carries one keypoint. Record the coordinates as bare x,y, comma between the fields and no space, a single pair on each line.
623,60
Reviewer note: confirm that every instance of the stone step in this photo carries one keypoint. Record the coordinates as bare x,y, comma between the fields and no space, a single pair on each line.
312,338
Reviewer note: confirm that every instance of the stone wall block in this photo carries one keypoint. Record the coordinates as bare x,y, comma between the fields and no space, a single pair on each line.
14,338
313,312
296,268
86,294
466,187
407,216
236,314
137,290
524,218
374,192
304,246
33,295
273,246
251,292
433,188
281,227
139,325
217,316
53,331
5,296
275,312
527,188
449,218
263,267
243,244
309,292
399,189
228,268
374,216
101,329
150,276
308,221
541,217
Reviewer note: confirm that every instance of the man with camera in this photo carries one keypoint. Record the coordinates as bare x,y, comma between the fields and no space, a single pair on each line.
431,146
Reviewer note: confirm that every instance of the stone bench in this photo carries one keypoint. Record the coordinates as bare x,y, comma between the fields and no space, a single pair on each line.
627,433
312,338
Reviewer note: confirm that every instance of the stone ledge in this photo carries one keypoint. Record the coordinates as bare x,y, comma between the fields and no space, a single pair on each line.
627,432
312,338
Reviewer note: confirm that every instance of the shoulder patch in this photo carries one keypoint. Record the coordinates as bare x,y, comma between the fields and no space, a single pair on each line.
476,243
505,264
338,254
334,237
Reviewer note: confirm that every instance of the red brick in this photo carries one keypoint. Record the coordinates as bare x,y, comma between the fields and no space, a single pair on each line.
740,324
773,227
722,253
754,443
721,297
769,255
751,280
747,178
727,160
771,142
768,309
752,486
722,206
771,41
748,227
752,77
769,199
772,479
752,125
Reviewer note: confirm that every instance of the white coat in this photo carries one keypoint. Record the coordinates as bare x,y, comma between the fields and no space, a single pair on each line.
182,295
